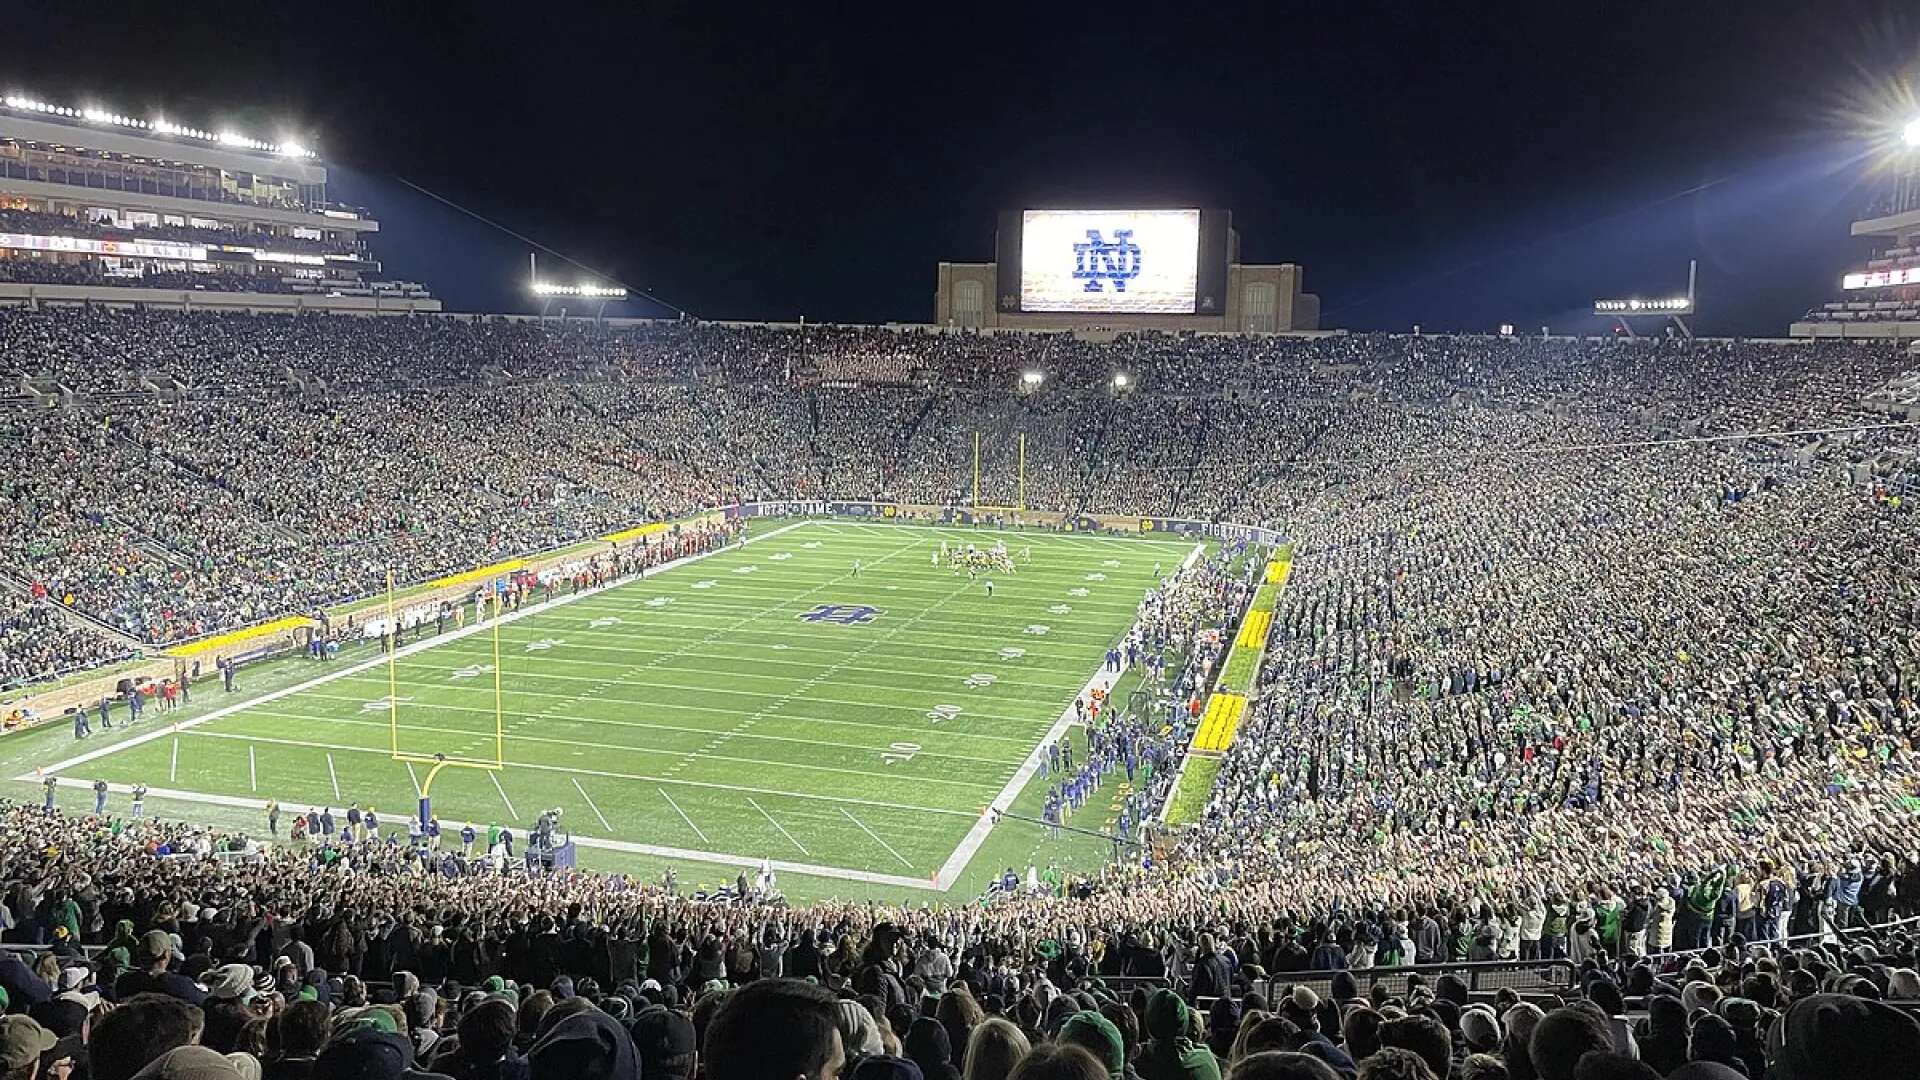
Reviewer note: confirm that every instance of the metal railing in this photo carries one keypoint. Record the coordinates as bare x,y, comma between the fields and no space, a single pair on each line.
1481,977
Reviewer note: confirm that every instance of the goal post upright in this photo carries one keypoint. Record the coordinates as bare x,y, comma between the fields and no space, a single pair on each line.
976,470
1023,472
500,706
393,673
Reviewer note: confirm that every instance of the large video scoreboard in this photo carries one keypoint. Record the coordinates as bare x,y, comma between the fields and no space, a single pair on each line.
1114,261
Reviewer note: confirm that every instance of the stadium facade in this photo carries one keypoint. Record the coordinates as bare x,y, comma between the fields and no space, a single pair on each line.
101,207
1132,269
1882,298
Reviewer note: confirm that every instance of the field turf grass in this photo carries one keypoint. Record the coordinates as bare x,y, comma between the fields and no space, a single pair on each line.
699,713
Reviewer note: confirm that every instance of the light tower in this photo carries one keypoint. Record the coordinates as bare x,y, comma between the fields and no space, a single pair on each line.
1676,309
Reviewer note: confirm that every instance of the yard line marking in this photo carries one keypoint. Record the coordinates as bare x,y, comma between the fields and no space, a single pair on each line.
415,777
253,777
590,806
382,751
777,825
956,863
681,706
785,866
369,664
683,816
1045,693
173,768
495,777
877,840
704,753
335,777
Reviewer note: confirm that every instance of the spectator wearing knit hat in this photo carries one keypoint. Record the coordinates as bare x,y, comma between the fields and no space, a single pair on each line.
1169,1053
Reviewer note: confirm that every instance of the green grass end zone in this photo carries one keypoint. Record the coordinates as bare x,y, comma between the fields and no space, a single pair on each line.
763,702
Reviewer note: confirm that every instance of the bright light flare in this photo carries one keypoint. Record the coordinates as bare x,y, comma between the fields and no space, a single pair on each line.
1911,133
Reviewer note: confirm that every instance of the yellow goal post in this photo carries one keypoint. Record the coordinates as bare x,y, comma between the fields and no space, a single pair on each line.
438,761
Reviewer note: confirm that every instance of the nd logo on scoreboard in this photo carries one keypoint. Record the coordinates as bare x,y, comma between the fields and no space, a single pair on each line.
1097,260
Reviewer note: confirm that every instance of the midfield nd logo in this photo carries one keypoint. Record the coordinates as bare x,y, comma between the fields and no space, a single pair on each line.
1096,260
843,614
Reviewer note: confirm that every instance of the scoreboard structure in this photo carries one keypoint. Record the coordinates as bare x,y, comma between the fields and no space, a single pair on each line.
1170,268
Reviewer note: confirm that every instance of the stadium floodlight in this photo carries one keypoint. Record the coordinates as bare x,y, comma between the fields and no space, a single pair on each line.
1672,305
1031,379
95,115
1911,134
604,292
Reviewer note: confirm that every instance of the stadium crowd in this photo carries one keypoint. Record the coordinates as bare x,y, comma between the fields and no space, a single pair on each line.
1560,673
360,958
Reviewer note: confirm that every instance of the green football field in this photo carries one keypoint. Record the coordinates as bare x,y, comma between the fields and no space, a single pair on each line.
761,702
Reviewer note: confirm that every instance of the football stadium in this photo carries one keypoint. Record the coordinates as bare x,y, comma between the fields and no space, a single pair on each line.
1121,670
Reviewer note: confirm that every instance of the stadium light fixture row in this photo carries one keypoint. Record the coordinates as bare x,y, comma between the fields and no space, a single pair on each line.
23,103
612,292
1651,307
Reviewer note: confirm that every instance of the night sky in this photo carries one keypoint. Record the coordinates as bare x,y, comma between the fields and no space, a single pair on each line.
1453,165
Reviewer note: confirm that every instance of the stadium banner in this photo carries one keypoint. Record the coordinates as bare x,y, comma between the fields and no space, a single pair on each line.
1249,534
482,573
144,249
635,533
1133,261
784,508
863,509
252,635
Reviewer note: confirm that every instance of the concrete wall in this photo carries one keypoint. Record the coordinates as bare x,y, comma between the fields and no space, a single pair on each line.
1889,329
12,293
1294,310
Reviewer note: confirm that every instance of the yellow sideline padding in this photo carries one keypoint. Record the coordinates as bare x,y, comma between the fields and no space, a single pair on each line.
221,642
1220,721
635,533
1253,632
468,577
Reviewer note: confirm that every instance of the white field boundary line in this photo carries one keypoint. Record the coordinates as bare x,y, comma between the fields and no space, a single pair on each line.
370,664
970,845
697,831
877,839
596,843
494,775
591,805
776,824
